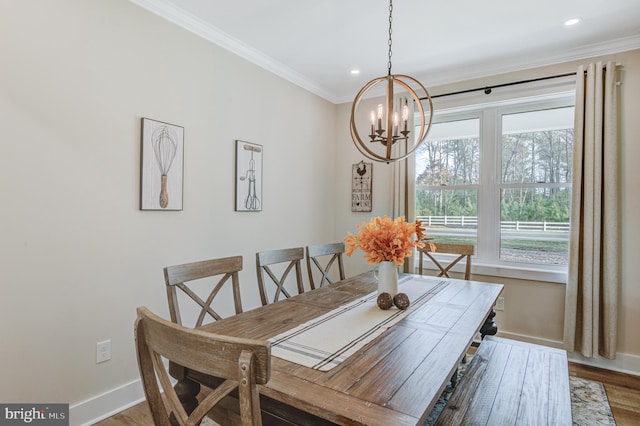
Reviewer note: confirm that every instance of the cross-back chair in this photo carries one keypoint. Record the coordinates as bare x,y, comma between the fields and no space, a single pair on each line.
314,252
264,262
463,251
182,277
241,363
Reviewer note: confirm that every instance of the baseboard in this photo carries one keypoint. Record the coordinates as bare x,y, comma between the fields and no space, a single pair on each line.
106,405
624,363
531,339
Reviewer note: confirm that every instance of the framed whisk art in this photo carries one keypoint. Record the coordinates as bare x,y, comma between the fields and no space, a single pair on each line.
161,181
248,177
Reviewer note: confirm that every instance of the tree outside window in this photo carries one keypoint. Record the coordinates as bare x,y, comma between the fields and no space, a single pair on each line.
520,182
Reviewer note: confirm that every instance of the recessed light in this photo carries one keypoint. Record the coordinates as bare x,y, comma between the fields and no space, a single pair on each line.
354,72
572,21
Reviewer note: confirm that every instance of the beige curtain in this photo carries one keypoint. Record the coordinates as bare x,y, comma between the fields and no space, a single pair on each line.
402,188
592,288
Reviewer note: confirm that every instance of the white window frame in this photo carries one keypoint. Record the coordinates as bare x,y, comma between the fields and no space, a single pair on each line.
530,98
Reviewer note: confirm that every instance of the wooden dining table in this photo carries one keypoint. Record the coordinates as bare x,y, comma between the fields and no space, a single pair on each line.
395,379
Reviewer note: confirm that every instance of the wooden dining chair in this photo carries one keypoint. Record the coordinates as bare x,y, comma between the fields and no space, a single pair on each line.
189,277
241,363
265,260
317,251
463,251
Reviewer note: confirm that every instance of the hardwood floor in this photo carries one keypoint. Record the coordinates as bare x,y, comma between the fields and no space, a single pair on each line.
138,415
623,391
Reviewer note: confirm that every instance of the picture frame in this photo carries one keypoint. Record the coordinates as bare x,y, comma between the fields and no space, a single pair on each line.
162,165
361,187
248,179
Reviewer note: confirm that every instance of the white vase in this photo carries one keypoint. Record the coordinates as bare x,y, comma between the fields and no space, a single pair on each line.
387,275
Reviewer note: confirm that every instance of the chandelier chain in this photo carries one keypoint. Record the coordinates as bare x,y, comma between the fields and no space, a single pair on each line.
390,41
395,128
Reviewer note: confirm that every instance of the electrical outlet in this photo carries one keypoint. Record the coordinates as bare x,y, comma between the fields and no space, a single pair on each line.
499,306
103,351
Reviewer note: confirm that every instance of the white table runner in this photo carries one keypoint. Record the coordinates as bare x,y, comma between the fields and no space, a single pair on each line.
326,341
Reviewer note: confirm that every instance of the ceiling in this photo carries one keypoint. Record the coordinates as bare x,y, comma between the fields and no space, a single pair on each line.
315,44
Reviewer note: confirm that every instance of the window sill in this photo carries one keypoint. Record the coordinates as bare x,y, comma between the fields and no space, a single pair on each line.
542,273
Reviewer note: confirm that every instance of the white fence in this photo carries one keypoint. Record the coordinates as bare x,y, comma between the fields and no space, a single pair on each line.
472,222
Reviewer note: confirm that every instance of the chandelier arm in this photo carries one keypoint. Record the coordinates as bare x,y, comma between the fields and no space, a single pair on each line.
368,153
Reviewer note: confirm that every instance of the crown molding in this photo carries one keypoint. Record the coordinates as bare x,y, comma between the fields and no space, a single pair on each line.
195,25
507,65
173,14
475,71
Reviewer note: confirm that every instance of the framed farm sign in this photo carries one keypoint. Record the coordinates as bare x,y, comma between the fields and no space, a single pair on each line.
361,180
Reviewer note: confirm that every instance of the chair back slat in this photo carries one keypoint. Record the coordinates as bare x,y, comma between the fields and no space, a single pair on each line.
183,277
243,363
314,252
464,252
266,259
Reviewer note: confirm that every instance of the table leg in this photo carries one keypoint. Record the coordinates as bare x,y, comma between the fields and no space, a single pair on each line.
187,390
489,328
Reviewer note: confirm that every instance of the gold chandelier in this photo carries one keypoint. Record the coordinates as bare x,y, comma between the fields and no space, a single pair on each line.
390,121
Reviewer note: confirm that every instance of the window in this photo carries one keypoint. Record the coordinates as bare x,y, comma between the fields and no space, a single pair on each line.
535,186
499,176
448,180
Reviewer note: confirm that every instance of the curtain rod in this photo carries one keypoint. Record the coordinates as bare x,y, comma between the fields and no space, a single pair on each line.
487,89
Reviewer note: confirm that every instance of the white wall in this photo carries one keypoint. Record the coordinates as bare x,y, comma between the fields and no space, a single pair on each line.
77,255
535,310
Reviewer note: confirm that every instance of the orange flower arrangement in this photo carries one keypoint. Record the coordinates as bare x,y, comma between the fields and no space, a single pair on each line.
384,239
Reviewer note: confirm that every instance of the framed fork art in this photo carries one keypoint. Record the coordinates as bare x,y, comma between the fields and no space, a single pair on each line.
248,177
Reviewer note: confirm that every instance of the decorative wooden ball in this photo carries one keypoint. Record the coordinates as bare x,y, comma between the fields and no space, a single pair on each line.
385,301
401,300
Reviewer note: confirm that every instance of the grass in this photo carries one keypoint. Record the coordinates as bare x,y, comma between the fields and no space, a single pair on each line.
534,245
515,244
